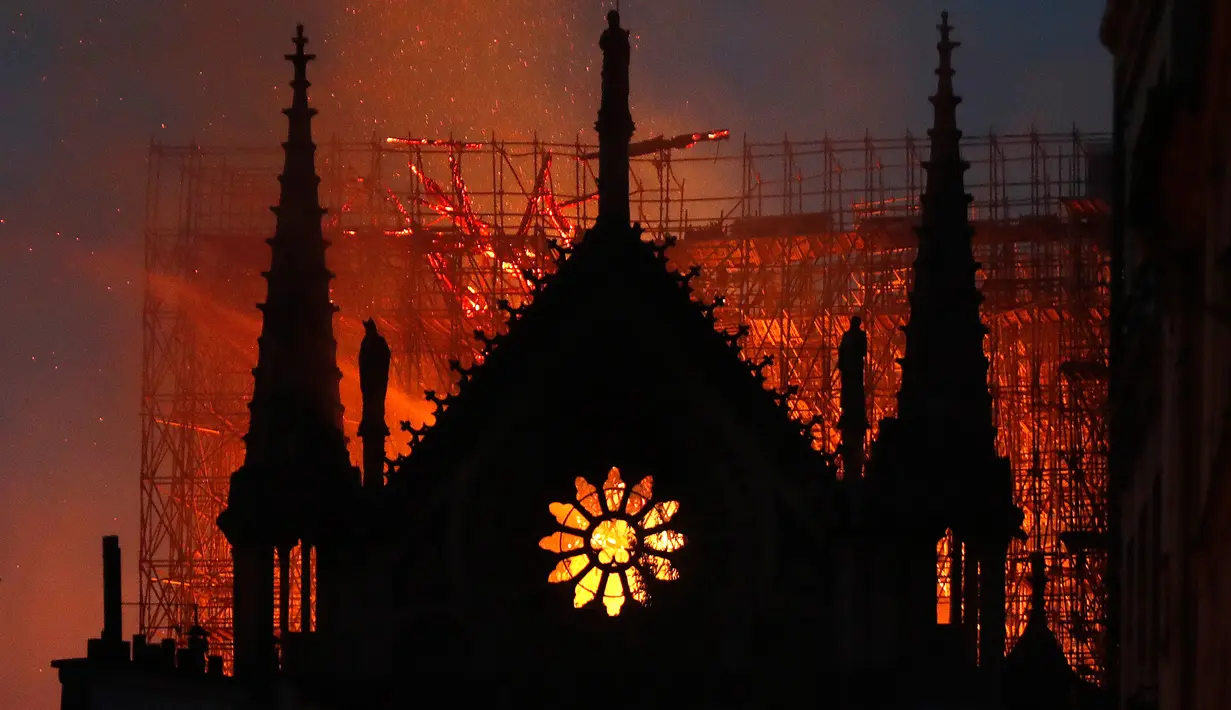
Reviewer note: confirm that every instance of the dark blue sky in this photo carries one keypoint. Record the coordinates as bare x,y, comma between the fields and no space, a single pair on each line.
86,84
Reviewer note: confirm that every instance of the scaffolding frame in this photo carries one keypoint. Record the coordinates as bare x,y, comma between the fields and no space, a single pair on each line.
428,236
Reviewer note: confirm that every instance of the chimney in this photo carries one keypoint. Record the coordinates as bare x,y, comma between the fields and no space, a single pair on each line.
140,651
196,656
113,614
166,655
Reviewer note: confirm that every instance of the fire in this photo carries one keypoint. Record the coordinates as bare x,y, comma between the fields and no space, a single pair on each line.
711,136
434,142
430,240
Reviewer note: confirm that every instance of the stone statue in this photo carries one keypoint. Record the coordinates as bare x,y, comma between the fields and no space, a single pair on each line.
852,352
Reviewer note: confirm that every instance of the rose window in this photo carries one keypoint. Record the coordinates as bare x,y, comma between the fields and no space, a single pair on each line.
610,540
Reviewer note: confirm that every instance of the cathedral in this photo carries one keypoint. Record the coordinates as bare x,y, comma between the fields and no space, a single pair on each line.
611,508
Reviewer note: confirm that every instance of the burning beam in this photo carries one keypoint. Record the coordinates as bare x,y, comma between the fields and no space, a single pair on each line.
433,143
660,143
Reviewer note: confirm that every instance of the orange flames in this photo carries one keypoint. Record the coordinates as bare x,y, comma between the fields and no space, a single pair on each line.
237,332
430,259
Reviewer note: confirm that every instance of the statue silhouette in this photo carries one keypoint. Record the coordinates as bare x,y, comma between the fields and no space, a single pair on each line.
852,353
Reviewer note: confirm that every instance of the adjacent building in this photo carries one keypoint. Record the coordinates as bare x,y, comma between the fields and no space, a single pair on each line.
1171,349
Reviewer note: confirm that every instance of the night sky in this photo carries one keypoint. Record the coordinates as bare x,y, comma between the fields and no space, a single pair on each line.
85,85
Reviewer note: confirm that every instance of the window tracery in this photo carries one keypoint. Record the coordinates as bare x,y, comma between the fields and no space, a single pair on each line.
610,540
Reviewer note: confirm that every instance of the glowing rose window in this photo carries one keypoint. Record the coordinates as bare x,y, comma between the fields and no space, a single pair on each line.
611,539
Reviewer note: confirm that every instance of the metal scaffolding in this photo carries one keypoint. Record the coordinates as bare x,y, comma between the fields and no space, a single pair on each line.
428,235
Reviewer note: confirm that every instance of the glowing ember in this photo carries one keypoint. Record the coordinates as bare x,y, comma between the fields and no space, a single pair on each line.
436,142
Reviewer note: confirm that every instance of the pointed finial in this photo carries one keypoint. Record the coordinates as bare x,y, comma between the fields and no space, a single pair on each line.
947,45
300,58
945,166
299,40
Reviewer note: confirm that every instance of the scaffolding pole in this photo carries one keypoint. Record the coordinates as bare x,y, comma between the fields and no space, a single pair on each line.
798,236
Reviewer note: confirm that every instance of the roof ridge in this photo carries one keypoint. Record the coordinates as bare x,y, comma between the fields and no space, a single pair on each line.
565,259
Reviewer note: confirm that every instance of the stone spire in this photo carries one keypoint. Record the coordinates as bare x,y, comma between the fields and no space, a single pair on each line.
296,404
298,353
296,452
615,127
944,400
944,371
937,458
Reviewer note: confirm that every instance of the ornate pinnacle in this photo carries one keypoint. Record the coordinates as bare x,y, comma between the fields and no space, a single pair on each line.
299,179
301,41
945,164
299,58
615,126
946,47
300,84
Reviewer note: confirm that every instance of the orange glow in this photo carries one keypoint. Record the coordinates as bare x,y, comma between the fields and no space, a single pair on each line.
613,541
430,259
642,493
613,491
562,542
636,585
944,595
587,588
587,495
660,514
615,553
438,142
613,595
665,541
567,568
660,567
237,332
711,136
568,516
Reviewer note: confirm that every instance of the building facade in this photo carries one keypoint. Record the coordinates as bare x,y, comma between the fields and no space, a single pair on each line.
702,535
1171,391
